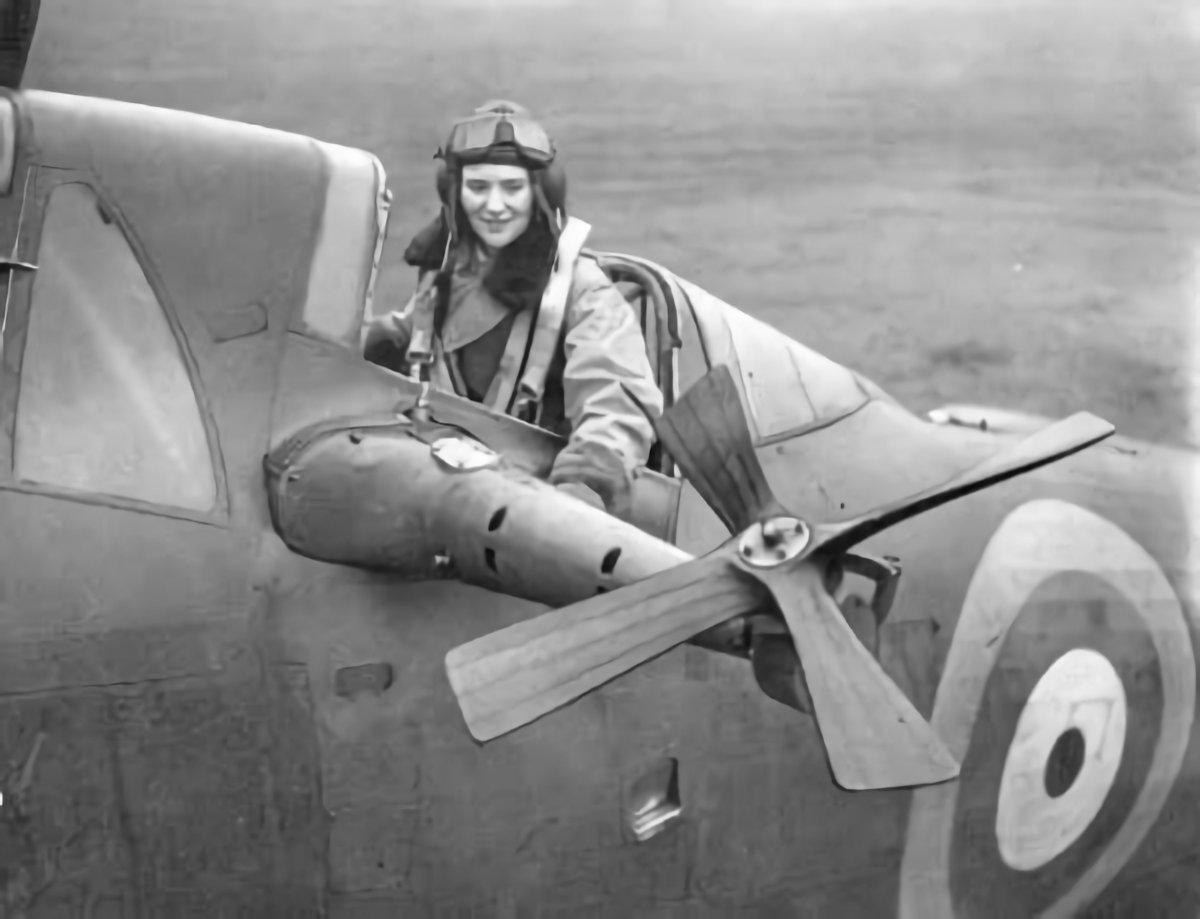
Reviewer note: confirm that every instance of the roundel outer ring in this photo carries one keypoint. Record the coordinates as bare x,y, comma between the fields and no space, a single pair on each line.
1033,543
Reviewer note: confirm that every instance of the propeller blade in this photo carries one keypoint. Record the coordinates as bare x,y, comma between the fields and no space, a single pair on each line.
516,675
874,735
1051,443
707,433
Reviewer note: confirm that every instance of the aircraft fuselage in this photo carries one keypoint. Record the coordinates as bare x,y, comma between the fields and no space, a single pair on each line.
198,720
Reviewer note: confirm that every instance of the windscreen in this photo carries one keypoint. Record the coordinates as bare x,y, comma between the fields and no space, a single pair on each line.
788,388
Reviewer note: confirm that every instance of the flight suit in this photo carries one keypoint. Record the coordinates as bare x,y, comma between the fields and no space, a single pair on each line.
478,355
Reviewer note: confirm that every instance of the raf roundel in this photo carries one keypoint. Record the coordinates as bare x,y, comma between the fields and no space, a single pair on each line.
1062,761
1068,696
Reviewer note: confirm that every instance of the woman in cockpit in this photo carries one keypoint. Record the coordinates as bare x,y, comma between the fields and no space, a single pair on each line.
523,322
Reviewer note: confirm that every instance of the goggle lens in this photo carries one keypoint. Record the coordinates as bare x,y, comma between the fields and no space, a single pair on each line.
477,134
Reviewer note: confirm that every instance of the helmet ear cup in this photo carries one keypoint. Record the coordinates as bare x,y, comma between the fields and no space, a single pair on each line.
553,180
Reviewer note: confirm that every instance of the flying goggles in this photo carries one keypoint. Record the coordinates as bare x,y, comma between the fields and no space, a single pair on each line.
499,124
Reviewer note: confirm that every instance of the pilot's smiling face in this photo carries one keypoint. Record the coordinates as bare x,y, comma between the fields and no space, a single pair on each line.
498,202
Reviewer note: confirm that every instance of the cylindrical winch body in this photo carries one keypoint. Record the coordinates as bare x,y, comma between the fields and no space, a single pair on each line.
429,502
510,532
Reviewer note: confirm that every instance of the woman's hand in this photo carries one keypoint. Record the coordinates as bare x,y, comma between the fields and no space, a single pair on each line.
385,341
581,492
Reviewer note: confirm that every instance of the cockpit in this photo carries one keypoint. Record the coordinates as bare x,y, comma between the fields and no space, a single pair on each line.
812,420
788,388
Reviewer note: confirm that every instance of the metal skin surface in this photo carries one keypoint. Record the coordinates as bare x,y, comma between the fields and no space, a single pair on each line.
197,721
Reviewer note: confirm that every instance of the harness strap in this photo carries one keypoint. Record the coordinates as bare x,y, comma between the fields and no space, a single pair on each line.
420,310
542,345
500,392
446,374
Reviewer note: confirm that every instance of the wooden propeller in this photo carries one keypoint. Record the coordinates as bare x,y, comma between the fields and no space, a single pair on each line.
873,735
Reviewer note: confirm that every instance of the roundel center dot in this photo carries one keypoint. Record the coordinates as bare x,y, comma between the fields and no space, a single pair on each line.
1065,762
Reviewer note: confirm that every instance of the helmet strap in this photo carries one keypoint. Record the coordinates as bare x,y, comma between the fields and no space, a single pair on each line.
554,217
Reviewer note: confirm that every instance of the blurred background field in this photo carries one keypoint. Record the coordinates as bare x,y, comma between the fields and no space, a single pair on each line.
966,201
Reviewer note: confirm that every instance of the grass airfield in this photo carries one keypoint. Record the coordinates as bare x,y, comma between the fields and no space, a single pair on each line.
966,201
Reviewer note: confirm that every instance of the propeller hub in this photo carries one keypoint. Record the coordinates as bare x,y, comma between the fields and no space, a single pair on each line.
774,542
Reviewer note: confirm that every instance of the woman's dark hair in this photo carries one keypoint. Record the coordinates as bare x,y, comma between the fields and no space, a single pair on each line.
519,272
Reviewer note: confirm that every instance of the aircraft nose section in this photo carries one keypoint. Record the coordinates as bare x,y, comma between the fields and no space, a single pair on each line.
350,492
426,501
